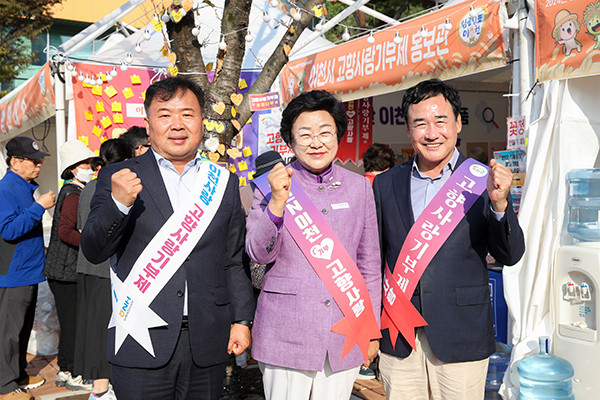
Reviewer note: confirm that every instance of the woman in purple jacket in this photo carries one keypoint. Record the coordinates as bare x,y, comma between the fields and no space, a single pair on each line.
298,353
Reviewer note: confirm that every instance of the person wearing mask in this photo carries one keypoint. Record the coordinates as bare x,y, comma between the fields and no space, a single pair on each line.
93,290
317,315
61,260
438,215
22,257
138,139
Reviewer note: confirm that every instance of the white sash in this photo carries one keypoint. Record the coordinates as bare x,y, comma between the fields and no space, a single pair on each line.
162,257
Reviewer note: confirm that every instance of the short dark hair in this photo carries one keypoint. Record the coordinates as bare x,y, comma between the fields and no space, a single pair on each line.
378,157
169,87
112,151
427,89
135,137
315,100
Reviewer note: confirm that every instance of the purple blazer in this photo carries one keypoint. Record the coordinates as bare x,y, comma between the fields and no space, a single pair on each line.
295,312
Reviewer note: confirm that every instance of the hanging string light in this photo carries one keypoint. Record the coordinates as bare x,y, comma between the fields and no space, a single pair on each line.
147,35
423,32
113,73
397,38
447,25
266,17
196,30
222,44
297,15
129,58
371,38
472,12
345,35
249,37
138,48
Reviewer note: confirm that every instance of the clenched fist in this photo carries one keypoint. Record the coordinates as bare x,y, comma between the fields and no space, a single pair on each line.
125,186
280,180
498,185
47,200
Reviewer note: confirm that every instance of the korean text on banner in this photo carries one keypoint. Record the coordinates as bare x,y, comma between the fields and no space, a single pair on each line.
457,41
30,106
567,39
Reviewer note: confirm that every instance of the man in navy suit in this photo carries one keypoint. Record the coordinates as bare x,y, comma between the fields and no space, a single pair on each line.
451,357
208,303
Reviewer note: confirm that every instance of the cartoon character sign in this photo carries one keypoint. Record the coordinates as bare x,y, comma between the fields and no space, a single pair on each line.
566,28
591,21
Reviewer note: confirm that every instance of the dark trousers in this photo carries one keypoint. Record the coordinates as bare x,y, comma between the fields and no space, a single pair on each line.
65,298
179,379
93,314
17,312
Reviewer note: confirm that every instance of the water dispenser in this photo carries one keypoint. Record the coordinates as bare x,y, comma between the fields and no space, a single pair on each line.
576,277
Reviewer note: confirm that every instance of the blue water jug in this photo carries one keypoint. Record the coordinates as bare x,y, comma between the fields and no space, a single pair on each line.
545,376
584,204
498,364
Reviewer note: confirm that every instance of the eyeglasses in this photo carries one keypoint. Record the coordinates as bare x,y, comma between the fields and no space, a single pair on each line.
38,161
305,139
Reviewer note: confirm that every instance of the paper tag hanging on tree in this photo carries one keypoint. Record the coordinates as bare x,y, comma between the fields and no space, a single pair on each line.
219,107
236,99
212,144
234,111
208,67
318,10
214,157
221,149
242,84
99,106
236,124
173,70
158,25
176,15
220,127
210,124
172,57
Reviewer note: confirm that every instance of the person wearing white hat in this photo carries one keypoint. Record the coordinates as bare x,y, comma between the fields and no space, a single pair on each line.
61,260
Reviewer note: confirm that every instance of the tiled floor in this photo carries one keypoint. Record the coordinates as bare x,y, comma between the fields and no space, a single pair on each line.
249,381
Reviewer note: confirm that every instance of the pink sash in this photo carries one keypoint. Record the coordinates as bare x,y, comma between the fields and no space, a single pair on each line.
330,260
425,238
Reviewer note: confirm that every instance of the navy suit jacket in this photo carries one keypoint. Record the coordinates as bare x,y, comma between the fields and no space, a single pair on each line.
453,294
219,291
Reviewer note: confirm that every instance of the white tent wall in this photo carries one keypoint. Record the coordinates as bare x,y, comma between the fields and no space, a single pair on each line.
564,134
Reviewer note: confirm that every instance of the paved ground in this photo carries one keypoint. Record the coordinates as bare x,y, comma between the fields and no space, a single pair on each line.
238,384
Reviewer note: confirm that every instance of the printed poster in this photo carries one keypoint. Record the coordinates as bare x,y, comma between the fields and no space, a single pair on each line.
567,38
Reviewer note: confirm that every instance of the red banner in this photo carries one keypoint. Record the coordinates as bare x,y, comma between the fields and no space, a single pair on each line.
454,41
365,125
107,109
30,106
347,147
260,102
567,38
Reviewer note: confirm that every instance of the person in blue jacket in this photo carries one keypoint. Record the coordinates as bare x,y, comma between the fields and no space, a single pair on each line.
22,259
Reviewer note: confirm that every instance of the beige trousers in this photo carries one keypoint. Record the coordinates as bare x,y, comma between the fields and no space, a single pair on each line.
421,376
293,384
